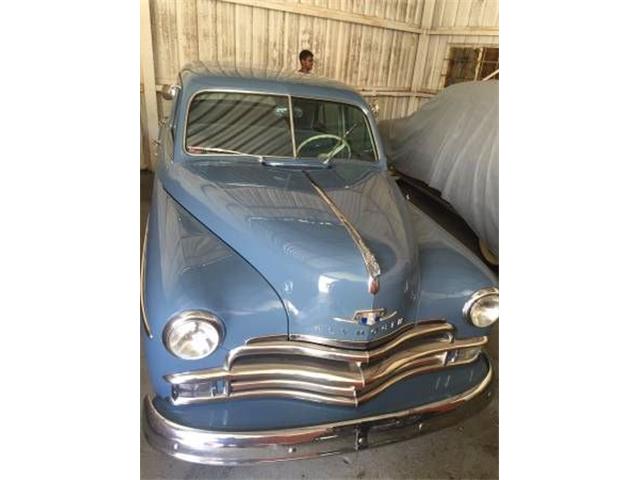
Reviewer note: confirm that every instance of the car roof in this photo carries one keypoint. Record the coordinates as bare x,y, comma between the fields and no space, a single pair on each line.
202,76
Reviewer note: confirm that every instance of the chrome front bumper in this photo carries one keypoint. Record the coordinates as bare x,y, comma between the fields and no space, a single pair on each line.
237,448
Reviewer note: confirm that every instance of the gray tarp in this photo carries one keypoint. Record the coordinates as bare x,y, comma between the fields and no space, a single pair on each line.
451,144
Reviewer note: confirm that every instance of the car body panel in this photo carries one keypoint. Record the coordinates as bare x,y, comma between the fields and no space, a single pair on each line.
450,273
187,268
259,247
275,220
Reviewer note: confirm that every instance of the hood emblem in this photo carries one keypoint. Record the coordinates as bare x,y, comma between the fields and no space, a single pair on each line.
369,317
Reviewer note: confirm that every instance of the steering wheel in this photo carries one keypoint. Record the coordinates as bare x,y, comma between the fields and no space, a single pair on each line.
341,145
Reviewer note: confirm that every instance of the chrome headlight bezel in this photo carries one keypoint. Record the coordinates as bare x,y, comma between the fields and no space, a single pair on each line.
193,316
473,301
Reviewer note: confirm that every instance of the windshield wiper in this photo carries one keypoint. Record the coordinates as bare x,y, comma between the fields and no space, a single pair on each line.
270,163
224,150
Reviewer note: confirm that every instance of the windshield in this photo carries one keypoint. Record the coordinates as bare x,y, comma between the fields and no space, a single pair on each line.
255,124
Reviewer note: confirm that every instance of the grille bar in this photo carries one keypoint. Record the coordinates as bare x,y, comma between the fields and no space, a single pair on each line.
309,349
319,373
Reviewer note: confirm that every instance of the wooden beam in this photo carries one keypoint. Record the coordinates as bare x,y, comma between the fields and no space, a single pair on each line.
358,18
398,93
477,32
148,80
321,12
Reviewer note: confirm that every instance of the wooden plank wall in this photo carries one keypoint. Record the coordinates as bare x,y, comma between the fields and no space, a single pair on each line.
393,52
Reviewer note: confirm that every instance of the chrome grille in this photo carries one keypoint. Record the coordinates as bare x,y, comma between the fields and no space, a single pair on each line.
274,367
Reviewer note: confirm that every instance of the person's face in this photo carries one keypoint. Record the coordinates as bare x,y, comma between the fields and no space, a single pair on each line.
307,64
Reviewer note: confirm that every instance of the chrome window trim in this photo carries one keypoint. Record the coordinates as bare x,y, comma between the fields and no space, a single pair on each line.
187,315
143,268
222,90
370,261
183,147
475,296
247,447
292,128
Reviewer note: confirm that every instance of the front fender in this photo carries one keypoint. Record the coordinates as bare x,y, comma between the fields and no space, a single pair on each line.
450,273
187,267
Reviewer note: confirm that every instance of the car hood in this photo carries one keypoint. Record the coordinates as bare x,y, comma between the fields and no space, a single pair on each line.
277,221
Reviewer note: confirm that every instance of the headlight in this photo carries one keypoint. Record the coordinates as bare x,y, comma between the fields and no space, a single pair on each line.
192,335
482,307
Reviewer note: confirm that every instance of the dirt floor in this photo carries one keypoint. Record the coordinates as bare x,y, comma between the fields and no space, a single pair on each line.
467,450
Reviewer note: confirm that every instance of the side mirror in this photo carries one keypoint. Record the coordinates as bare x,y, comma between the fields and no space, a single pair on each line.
169,91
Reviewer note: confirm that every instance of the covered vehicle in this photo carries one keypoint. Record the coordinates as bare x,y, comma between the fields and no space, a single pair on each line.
451,144
294,304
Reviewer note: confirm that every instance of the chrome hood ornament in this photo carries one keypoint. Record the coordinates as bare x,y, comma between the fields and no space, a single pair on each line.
373,317
370,262
370,317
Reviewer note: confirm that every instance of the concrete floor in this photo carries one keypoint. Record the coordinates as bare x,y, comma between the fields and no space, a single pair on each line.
467,450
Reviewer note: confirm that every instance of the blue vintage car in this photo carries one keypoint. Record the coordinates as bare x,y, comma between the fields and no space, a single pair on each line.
294,303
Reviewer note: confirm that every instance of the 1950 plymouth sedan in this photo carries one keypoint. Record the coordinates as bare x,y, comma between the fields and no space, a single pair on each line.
294,303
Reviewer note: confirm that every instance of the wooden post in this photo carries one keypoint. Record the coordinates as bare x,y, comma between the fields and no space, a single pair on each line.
148,81
421,55
478,63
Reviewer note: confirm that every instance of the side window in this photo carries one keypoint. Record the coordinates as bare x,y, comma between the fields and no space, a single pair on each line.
471,63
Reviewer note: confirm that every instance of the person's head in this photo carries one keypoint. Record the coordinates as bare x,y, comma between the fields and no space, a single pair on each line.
306,61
